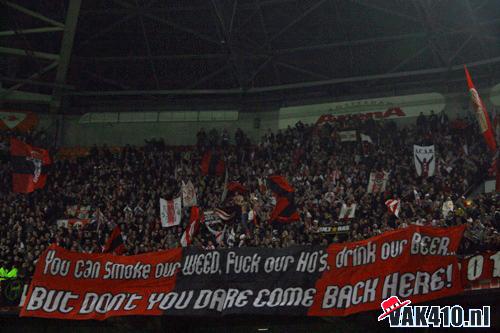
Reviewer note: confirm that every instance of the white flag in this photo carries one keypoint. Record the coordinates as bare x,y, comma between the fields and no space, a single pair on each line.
78,211
189,195
425,162
447,207
393,206
71,223
366,138
170,212
346,136
347,212
378,181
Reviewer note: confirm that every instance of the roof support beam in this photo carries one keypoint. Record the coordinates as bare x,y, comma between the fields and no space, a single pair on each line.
371,5
148,49
30,31
27,53
34,76
168,22
430,71
298,19
32,13
65,54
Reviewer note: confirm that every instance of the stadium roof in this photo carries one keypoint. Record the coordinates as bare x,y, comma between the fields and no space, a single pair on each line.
234,48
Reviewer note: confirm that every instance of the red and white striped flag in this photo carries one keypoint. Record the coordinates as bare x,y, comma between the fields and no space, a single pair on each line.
393,206
192,228
170,212
482,116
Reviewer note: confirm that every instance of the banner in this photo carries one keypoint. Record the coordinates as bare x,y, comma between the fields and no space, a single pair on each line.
482,116
481,271
425,162
347,212
79,211
22,121
30,165
377,181
170,212
348,136
417,263
188,195
72,223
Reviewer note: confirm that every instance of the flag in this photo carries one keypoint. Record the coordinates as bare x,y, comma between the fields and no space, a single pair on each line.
115,244
236,187
447,207
285,210
189,198
378,181
21,121
170,212
192,228
482,116
348,136
78,211
71,223
393,206
224,192
366,138
262,185
212,164
347,212
29,166
425,162
279,185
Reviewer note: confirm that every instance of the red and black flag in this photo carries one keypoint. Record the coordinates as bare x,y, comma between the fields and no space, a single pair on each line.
235,186
285,209
115,244
212,164
482,115
279,185
30,166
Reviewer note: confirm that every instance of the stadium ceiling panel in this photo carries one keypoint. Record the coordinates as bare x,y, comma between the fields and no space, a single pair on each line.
241,47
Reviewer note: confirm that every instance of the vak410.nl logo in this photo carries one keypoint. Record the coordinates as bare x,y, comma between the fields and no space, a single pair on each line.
402,314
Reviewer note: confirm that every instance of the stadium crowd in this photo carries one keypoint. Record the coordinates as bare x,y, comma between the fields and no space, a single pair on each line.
123,187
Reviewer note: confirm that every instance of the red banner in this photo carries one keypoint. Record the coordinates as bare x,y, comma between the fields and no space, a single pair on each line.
69,285
22,121
481,271
415,263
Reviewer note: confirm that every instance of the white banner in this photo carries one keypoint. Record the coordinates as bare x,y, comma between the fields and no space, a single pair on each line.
170,212
378,181
425,162
347,136
189,195
347,212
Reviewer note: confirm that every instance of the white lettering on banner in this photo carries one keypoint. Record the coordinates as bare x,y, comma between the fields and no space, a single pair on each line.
55,266
360,255
50,301
309,262
426,245
342,297
419,283
242,264
170,300
135,271
87,269
198,264
284,297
